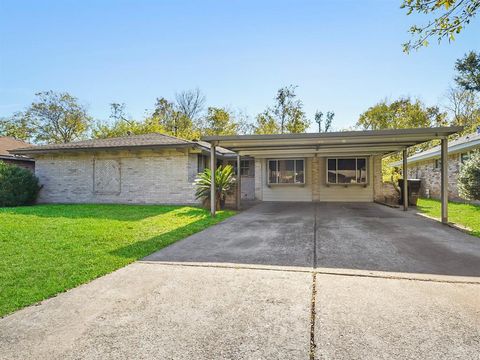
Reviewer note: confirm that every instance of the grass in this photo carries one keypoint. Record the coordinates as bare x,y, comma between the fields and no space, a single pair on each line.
47,249
467,215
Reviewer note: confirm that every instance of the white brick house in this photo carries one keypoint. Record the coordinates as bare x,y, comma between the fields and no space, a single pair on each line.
138,169
161,169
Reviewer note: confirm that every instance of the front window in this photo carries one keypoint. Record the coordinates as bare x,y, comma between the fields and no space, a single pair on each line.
286,171
347,171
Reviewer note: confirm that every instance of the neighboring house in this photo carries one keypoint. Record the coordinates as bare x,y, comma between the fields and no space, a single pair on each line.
8,143
155,168
426,165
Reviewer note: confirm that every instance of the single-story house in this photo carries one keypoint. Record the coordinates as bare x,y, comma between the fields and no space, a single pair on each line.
426,165
8,144
156,168
135,169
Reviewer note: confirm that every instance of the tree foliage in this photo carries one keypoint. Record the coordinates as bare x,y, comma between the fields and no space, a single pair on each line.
468,69
401,114
265,123
469,178
57,118
19,126
18,186
219,121
464,109
449,19
286,116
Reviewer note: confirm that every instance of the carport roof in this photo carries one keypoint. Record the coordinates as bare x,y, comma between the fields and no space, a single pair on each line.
368,142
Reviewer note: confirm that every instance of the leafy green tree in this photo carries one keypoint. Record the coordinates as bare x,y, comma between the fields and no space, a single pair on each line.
286,116
464,109
265,123
57,117
469,178
219,121
468,69
19,126
168,117
328,120
449,19
401,114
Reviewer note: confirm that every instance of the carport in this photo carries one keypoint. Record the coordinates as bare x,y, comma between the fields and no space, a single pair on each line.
360,143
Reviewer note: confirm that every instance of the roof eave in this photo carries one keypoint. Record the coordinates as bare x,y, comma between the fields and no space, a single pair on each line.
35,150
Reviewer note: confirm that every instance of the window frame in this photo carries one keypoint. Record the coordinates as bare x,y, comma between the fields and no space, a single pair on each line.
294,170
250,167
367,177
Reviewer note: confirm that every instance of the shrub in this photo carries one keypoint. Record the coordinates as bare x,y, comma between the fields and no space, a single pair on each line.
18,186
224,182
469,178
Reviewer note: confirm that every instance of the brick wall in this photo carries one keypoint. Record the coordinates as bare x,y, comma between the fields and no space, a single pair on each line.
146,177
431,177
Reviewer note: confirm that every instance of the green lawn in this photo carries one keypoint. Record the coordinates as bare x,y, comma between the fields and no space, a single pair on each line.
47,249
464,214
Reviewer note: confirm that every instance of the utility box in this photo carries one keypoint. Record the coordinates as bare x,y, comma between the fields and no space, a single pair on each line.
413,188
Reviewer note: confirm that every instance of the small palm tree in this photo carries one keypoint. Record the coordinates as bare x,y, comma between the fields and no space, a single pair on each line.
224,182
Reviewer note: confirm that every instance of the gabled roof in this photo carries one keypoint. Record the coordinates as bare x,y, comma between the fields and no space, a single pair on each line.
8,143
462,144
152,140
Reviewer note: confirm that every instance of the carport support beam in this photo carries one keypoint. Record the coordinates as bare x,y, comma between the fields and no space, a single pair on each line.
239,182
213,167
405,181
444,168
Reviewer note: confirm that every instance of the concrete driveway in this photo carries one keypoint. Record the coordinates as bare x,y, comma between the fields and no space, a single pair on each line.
278,281
349,236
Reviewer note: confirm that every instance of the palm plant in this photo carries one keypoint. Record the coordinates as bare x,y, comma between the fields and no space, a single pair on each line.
224,182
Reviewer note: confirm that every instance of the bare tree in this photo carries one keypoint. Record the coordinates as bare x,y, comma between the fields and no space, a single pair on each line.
190,102
328,120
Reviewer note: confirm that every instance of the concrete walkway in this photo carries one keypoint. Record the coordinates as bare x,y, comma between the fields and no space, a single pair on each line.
279,281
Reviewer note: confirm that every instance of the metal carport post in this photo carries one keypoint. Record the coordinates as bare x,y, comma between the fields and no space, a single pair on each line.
213,167
444,179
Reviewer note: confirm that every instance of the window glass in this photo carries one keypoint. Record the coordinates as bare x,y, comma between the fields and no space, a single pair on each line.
361,170
246,167
299,172
286,171
272,171
332,171
346,173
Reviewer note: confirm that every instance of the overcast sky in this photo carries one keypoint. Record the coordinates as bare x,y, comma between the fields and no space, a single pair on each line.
344,55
